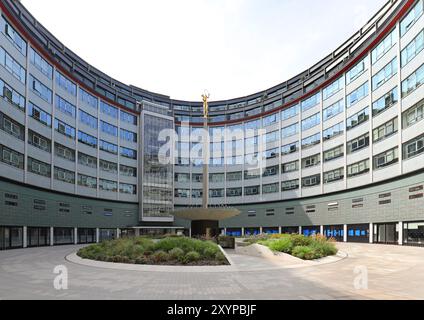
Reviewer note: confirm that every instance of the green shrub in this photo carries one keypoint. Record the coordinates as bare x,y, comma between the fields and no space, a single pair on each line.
160,256
282,245
305,253
192,256
176,253
300,240
143,250
219,256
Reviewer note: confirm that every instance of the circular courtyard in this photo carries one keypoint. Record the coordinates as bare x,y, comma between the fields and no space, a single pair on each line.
363,271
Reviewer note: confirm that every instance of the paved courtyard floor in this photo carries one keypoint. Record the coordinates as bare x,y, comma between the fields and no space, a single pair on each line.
388,272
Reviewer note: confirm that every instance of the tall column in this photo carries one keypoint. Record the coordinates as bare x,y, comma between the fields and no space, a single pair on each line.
401,233
206,142
345,233
300,230
321,230
75,235
118,233
225,231
51,236
25,237
242,232
280,230
261,230
371,233
97,235
137,232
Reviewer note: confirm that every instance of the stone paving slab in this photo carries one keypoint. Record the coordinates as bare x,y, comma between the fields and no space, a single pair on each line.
393,273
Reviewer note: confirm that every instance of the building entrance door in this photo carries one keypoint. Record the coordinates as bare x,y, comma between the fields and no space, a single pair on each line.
387,233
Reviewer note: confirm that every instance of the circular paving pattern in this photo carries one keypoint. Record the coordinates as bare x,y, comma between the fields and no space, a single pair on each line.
392,273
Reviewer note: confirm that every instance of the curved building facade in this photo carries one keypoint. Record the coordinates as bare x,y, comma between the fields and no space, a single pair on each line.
339,149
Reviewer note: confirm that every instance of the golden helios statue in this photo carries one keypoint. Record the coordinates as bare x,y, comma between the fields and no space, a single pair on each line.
205,98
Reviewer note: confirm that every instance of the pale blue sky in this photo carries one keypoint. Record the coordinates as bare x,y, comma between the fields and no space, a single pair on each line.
179,48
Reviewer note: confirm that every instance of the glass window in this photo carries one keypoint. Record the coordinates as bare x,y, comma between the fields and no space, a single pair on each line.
290,131
87,181
109,110
311,161
65,83
386,130
12,66
39,167
334,175
86,160
290,167
290,148
252,191
332,132
108,147
40,63
386,158
358,143
88,119
311,122
8,93
311,102
333,88
385,102
234,176
108,186
413,115
384,74
410,19
39,141
64,152
89,99
311,141
358,168
87,139
128,118
272,137
333,110
11,157
413,49
272,119
40,89
128,153
128,135
127,188
270,188
128,171
64,175
65,107
383,47
109,128
358,119
290,112
311,181
413,147
357,70
334,153
413,82
357,95
290,185
64,129
13,36
39,114
234,192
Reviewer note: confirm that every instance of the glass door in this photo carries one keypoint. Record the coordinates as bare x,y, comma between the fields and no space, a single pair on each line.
387,233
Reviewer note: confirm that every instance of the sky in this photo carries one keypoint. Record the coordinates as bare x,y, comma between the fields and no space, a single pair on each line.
179,48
